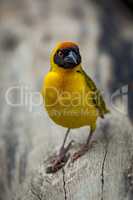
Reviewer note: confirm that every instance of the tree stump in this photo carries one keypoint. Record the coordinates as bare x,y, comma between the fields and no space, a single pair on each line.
105,172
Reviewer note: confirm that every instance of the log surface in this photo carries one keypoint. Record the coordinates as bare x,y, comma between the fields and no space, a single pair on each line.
105,172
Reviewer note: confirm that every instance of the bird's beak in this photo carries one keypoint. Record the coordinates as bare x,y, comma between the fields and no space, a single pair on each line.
71,58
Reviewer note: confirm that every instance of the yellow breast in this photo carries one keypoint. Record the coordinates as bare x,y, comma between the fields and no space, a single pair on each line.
68,100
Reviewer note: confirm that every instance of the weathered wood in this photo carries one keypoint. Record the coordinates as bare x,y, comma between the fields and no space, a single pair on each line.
101,174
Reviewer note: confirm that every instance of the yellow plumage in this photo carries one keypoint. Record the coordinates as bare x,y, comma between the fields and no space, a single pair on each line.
64,94
70,96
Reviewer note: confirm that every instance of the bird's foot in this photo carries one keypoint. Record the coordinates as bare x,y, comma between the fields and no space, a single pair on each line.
60,160
82,151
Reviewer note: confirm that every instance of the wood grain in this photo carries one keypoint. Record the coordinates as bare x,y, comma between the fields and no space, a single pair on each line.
101,174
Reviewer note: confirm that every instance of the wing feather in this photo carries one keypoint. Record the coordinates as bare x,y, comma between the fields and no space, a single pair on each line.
97,99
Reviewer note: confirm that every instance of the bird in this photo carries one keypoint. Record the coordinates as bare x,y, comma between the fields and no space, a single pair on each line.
71,98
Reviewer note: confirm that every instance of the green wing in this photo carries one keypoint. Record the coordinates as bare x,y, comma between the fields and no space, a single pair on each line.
97,98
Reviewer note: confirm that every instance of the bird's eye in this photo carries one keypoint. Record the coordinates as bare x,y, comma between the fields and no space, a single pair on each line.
60,54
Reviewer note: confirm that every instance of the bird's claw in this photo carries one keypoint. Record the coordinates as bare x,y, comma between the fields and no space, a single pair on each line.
80,153
57,164
59,161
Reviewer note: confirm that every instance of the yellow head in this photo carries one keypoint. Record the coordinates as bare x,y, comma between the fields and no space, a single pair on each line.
65,56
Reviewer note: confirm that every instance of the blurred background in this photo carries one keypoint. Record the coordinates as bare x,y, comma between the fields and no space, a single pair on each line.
29,29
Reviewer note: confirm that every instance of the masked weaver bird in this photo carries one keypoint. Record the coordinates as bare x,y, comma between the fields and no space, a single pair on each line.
71,98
